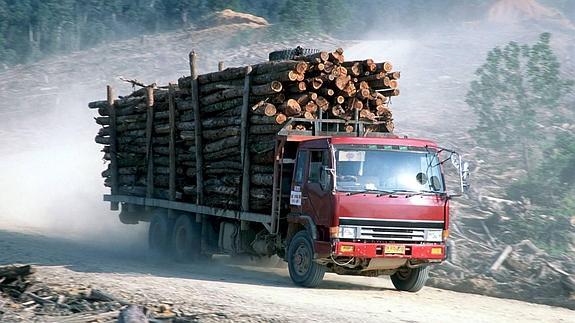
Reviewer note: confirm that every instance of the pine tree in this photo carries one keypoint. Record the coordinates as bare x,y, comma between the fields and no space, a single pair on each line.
517,89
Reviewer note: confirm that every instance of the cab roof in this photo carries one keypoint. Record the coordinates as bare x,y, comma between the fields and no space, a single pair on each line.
346,140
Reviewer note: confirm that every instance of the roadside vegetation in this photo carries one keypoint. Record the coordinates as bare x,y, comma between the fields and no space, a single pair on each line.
33,29
519,97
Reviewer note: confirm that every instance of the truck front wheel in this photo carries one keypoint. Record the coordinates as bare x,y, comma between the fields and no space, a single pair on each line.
186,239
410,279
302,269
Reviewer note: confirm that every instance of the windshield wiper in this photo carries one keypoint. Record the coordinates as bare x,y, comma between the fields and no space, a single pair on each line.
380,192
410,193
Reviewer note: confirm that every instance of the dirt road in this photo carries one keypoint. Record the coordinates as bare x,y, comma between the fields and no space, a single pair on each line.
222,291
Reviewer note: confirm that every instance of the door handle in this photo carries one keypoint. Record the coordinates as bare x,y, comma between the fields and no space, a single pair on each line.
304,197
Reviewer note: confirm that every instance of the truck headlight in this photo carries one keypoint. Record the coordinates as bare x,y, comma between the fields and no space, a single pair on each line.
347,232
434,235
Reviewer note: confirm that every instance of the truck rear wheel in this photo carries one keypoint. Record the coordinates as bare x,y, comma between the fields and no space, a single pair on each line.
302,268
159,233
186,239
410,279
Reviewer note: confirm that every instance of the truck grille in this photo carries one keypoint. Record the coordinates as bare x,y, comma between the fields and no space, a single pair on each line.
393,230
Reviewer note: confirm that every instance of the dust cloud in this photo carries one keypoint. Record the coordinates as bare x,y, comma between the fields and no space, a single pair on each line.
50,179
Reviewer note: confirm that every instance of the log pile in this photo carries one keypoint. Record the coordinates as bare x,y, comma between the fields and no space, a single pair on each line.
27,296
24,298
520,271
259,100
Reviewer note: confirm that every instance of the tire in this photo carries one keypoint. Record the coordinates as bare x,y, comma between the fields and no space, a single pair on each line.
159,234
410,279
302,269
291,53
186,239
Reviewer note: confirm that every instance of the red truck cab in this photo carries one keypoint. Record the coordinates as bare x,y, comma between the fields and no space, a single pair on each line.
370,206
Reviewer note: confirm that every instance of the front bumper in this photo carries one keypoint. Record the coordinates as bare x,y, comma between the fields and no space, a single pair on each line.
428,251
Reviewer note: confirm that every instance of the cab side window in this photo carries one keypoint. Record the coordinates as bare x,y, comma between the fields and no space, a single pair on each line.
300,167
317,166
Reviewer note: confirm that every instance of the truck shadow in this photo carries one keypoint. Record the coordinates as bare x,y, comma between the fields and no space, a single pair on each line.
93,257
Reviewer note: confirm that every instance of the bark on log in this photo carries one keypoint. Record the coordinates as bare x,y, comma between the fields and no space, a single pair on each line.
233,151
393,75
220,106
220,133
261,193
262,179
221,96
389,93
282,76
225,164
210,88
296,88
257,168
384,67
319,57
263,158
225,75
264,108
98,104
129,101
222,144
262,120
372,77
265,128
266,89
278,66
219,122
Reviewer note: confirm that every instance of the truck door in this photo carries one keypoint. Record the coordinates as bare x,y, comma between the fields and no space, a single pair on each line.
316,192
310,192
298,180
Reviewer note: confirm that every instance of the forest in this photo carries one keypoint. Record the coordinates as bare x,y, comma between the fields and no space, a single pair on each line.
33,29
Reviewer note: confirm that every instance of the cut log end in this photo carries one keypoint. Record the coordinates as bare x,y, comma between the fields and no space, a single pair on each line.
281,118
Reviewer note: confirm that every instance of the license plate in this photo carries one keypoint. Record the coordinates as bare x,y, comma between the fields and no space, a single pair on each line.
394,249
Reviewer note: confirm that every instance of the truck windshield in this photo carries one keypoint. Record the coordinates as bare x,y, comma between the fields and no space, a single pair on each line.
393,171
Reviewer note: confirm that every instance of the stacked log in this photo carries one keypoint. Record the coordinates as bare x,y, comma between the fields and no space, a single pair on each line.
277,94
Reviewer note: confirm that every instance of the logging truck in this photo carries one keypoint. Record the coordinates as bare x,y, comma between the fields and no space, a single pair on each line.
345,195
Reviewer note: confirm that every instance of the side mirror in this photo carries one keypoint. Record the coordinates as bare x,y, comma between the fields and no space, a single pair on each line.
463,170
325,177
465,177
330,171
